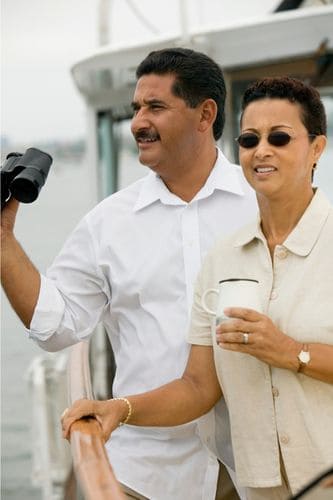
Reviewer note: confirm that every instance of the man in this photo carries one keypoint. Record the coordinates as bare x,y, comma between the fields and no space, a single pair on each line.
132,262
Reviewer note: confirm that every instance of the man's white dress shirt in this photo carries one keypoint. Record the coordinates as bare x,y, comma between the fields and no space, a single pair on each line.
131,263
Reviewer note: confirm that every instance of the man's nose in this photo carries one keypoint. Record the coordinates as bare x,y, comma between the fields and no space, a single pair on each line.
140,120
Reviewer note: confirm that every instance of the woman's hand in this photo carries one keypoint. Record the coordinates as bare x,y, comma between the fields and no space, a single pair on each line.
108,413
264,340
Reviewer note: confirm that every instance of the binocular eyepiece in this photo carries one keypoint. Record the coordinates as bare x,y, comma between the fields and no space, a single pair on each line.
23,175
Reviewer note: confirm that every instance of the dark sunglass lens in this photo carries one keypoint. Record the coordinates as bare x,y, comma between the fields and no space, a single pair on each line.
279,138
248,140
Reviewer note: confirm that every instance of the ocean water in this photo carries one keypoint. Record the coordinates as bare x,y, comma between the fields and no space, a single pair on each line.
42,228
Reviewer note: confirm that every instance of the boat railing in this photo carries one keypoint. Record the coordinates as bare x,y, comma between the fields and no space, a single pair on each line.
90,461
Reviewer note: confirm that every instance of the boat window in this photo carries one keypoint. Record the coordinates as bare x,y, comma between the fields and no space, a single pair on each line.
107,154
129,167
118,155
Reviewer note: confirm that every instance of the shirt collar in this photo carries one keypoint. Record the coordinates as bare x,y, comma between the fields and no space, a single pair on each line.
221,178
306,233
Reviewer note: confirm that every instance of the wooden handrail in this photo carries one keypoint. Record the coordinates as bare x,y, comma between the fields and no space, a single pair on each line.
91,464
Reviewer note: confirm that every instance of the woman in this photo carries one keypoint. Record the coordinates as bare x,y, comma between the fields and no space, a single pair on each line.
278,386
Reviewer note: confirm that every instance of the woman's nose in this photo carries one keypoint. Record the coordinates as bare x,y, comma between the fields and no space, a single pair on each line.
263,148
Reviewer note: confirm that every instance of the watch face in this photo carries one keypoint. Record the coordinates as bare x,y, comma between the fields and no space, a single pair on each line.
304,356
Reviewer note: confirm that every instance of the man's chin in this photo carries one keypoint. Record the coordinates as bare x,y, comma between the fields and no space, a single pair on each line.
148,162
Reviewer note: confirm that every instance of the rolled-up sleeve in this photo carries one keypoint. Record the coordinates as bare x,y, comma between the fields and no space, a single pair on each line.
46,319
200,330
73,294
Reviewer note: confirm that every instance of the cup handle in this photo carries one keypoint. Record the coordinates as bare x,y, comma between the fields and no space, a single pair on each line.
203,300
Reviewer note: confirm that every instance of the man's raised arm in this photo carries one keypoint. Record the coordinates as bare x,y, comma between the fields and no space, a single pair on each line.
19,277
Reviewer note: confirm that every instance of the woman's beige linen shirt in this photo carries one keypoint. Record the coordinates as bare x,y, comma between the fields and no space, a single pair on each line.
271,407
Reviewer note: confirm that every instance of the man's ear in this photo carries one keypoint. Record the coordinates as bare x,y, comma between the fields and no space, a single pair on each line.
208,114
319,146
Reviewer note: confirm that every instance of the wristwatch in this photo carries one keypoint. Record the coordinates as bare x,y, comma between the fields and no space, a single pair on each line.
303,357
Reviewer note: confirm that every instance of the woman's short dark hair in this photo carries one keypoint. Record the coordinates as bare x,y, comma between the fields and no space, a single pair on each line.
313,112
198,77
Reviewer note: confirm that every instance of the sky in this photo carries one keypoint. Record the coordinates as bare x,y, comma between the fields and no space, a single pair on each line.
42,39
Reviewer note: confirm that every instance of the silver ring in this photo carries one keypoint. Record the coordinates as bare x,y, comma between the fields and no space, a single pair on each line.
245,338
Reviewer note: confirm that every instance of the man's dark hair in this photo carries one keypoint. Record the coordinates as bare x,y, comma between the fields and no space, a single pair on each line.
198,77
313,112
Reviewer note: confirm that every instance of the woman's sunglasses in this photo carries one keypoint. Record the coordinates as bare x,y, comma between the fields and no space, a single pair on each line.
250,140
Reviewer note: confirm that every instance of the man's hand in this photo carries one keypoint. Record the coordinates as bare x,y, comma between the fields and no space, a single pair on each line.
8,217
108,413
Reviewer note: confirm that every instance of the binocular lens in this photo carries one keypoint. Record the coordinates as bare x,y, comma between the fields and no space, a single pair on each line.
23,176
26,186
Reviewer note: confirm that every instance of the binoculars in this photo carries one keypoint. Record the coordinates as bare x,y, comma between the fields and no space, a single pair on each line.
23,175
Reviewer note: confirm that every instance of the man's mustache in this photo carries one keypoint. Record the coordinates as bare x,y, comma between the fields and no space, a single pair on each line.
146,135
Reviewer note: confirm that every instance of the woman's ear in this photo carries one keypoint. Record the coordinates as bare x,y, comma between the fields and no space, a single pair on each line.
208,114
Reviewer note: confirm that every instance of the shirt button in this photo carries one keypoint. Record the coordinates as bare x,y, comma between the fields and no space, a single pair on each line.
273,295
284,439
281,253
275,392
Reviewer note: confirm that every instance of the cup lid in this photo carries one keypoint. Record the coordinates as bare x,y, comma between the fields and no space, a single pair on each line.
239,279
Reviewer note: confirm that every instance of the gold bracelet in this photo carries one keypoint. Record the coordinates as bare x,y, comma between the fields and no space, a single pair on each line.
129,414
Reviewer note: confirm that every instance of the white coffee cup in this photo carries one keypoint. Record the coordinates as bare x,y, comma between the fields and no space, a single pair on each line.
233,292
